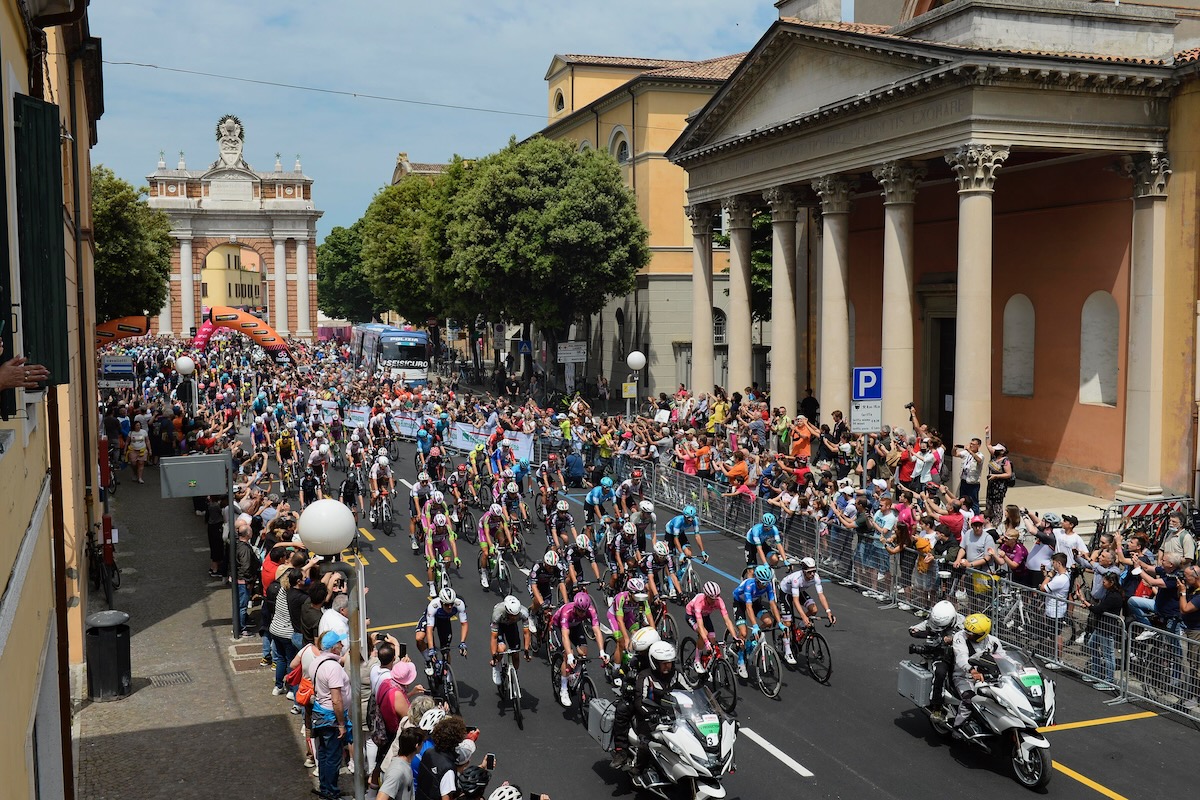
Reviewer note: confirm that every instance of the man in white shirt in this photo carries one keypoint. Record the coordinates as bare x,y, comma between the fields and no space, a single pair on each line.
1056,583
336,618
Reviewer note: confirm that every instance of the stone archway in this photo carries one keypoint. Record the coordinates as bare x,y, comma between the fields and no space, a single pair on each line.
228,202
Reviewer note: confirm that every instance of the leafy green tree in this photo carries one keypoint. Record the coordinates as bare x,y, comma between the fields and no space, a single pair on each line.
133,248
395,249
343,284
546,233
761,242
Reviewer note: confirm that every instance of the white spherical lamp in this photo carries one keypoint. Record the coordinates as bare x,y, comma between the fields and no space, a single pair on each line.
636,360
185,366
326,527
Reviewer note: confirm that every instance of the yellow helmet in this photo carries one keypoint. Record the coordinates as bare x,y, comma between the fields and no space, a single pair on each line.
978,625
479,448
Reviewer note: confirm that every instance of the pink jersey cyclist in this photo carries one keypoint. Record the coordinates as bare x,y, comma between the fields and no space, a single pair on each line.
701,607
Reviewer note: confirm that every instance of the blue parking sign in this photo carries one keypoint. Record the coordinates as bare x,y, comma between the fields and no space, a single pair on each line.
868,383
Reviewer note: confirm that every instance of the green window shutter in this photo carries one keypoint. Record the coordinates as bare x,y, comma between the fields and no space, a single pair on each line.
40,223
8,315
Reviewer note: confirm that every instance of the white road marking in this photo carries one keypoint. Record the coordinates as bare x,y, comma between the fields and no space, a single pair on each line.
788,761
524,570
406,483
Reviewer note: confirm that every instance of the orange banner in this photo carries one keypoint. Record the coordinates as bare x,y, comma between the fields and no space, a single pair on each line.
121,328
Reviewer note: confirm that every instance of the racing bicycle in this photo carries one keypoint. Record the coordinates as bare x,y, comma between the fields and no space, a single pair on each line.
715,669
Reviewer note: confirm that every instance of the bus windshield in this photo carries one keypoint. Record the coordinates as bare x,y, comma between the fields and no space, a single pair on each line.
395,354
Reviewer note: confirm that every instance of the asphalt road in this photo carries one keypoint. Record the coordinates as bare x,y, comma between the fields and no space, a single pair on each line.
854,738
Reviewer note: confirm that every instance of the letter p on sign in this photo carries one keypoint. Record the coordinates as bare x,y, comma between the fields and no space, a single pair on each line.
868,383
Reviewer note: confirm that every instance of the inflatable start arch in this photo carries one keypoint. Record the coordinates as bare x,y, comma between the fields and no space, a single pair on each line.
217,317
121,328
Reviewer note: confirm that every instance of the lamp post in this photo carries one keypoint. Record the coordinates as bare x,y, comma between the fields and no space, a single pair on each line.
327,527
636,361
186,367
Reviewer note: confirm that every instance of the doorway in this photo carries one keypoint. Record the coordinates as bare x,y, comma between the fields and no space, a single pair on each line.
938,397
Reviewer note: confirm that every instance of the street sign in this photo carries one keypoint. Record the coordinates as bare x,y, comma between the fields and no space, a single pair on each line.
868,383
629,391
572,352
116,372
525,347
866,406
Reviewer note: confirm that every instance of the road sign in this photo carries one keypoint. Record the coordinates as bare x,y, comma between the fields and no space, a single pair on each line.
866,416
629,391
572,352
116,372
868,383
525,347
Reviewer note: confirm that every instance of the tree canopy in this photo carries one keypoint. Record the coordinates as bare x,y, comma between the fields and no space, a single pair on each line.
133,248
343,284
395,231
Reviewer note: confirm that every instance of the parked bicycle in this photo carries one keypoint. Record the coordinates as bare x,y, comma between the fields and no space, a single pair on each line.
102,568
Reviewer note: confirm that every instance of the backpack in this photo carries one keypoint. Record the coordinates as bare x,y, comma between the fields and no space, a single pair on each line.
375,724
943,474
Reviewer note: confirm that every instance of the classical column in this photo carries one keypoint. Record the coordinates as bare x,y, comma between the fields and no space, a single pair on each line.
279,306
738,332
164,315
836,358
804,243
302,310
701,217
974,168
899,180
1142,473
783,297
187,288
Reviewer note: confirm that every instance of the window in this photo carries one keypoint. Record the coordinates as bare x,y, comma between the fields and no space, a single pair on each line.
204,290
618,145
719,223
1099,343
720,322
622,153
559,103
1017,361
585,145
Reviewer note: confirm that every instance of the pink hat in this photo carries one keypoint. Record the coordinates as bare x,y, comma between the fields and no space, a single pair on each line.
404,672
978,520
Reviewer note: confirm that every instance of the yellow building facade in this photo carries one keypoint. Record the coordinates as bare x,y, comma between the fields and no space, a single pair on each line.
232,276
48,464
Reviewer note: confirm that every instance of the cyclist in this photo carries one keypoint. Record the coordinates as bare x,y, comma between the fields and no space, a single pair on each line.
644,520
510,630
438,615
456,483
259,434
350,494
561,523
548,476
501,457
578,552
285,447
520,472
795,599
493,529
417,497
436,505
435,463
441,540
381,478
424,445
318,460
514,509
764,544
631,491
355,452
477,463
624,552
660,567
441,429
569,620
378,428
757,609
628,613
546,576
698,613
596,497
310,488
677,530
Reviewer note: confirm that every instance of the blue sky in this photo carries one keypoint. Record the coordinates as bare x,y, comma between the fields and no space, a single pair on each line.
483,54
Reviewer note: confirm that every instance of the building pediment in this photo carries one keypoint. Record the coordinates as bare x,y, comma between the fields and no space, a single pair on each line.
223,174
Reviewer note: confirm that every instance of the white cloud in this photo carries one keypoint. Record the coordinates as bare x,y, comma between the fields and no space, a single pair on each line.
489,55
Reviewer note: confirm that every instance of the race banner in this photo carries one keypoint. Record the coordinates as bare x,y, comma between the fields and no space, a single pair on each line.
465,437
358,415
407,423
329,410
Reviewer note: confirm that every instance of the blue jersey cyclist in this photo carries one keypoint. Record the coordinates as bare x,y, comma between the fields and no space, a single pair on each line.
677,532
757,609
596,498
764,543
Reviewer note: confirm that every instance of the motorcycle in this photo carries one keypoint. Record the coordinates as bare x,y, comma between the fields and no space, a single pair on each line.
688,752
1011,702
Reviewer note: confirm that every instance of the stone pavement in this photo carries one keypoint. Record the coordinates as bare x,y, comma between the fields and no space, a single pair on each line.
201,721
1040,499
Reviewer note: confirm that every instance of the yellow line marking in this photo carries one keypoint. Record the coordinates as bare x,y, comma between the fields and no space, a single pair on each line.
1088,782
392,627
351,558
367,534
384,552
413,580
1088,723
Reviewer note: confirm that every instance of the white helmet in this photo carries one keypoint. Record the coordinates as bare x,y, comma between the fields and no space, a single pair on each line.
292,425
661,653
505,443
942,615
808,564
440,520
660,549
324,449
506,792
550,559
562,506
582,542
382,461
447,596
512,606
354,437
508,473
496,508
644,638
646,507
382,451
423,477
629,529
430,718
438,497
511,488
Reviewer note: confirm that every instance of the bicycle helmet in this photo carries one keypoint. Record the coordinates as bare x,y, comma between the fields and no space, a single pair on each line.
712,589
562,505
662,654
462,467
644,639
583,601
636,474
629,530
496,508
646,507
472,782
511,488
430,718
478,448
762,573
382,451
506,793
354,437
308,470
661,550
443,415
512,606
382,461
942,615
324,449
440,520
437,497
637,587
423,477
422,434
550,559
689,512
524,462
606,482
768,520
552,457
505,443
582,542
977,626
435,452
508,473
447,596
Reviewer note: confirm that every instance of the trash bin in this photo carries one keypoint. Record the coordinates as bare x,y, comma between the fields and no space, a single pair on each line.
107,651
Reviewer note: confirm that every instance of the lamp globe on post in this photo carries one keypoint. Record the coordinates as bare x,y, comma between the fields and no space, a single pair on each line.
636,360
185,366
327,527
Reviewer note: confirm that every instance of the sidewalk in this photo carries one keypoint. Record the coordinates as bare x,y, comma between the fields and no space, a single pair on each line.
1040,499
201,721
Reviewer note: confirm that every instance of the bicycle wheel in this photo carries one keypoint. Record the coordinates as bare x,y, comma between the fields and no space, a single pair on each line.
587,693
514,695
503,581
690,589
417,461
556,661
768,670
466,526
666,627
451,689
723,684
106,583
687,663
115,575
520,556
385,522
818,658
93,567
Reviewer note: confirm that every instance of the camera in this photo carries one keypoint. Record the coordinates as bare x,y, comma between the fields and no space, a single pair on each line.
932,648
910,406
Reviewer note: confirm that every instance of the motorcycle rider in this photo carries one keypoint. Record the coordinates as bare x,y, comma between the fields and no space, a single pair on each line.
943,623
653,687
974,638
643,640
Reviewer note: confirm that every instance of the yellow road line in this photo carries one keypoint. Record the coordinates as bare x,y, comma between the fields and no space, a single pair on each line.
392,627
413,580
383,551
1088,782
367,534
350,558
1088,723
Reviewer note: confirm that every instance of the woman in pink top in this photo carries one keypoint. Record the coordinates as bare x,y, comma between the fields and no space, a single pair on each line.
686,454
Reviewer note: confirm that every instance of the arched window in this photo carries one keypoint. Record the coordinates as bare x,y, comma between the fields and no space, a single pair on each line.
559,103
585,145
1099,343
720,322
1017,362
622,152
618,145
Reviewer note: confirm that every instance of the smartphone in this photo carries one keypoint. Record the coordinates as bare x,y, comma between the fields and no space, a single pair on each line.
471,729
489,761
403,649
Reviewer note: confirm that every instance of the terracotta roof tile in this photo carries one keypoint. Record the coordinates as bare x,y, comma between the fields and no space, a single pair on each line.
852,27
718,68
621,61
1187,56
419,167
